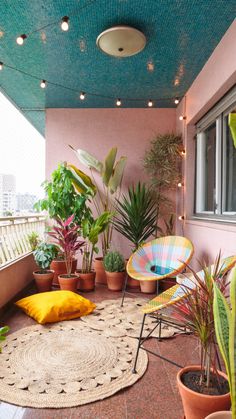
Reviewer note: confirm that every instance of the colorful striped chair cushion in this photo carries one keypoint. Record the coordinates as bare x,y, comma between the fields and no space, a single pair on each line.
160,258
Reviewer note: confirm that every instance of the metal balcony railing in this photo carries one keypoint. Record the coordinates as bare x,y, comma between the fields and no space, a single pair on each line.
14,232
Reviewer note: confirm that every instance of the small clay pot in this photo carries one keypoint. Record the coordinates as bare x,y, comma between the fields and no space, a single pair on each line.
197,405
148,287
59,268
100,271
68,283
115,280
86,281
220,415
43,280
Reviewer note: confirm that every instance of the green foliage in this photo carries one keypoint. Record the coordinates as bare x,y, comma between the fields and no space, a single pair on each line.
111,174
114,262
3,331
44,254
33,239
61,199
136,215
91,229
225,327
196,310
163,162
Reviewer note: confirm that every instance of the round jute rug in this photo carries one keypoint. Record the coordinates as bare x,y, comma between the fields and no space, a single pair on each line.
119,321
65,365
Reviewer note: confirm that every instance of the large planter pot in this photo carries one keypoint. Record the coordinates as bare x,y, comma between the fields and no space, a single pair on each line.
59,268
115,280
68,283
100,271
196,405
148,287
86,281
220,415
43,280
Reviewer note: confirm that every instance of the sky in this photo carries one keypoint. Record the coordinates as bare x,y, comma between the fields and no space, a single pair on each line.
22,149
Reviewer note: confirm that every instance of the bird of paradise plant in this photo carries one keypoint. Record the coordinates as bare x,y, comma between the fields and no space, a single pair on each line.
225,327
111,174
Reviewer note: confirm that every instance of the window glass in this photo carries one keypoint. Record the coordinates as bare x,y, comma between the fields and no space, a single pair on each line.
229,183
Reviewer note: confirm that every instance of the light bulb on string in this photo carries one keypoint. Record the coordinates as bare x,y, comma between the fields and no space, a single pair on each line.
181,217
150,103
20,39
65,24
182,117
176,100
1,65
180,185
82,96
43,84
118,102
183,153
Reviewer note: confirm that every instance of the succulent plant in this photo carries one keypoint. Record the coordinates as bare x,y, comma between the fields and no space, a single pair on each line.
114,262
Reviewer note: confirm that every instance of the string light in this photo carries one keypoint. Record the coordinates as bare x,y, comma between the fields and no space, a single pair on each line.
1,65
182,117
176,100
43,84
82,96
118,102
150,103
65,24
180,185
183,152
181,217
20,39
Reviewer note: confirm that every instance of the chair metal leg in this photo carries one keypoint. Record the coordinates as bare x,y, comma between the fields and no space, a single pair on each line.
124,289
160,324
139,343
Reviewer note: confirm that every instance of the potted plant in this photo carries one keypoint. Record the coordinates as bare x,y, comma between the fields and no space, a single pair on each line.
115,270
91,229
65,194
135,219
3,331
66,236
33,239
111,174
43,256
225,321
203,388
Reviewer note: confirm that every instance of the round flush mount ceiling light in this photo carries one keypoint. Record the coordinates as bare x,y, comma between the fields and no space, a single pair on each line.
121,41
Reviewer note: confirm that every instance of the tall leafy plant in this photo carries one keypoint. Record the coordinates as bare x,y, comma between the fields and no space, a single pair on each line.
111,173
91,229
67,193
135,215
66,237
3,331
225,327
196,310
162,162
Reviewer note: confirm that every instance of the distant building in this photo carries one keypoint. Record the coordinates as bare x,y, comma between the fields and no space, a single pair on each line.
25,202
7,194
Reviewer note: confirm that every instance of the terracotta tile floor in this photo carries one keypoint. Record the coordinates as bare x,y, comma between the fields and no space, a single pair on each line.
154,396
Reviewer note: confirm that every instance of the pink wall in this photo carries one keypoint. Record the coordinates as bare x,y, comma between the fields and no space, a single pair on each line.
216,78
97,130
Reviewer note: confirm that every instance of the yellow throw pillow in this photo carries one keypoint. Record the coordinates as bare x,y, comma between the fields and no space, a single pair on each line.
55,306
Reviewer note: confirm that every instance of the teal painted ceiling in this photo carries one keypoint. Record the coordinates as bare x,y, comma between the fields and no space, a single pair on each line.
181,35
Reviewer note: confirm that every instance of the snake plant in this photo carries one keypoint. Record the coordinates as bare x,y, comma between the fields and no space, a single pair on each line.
225,328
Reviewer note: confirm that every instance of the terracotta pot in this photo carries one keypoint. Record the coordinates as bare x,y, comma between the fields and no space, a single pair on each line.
196,405
100,271
59,267
43,281
220,415
86,281
148,287
115,280
68,283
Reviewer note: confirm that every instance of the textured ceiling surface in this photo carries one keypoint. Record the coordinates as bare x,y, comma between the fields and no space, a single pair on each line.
181,35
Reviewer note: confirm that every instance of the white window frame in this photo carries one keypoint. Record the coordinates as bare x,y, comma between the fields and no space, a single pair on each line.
215,115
